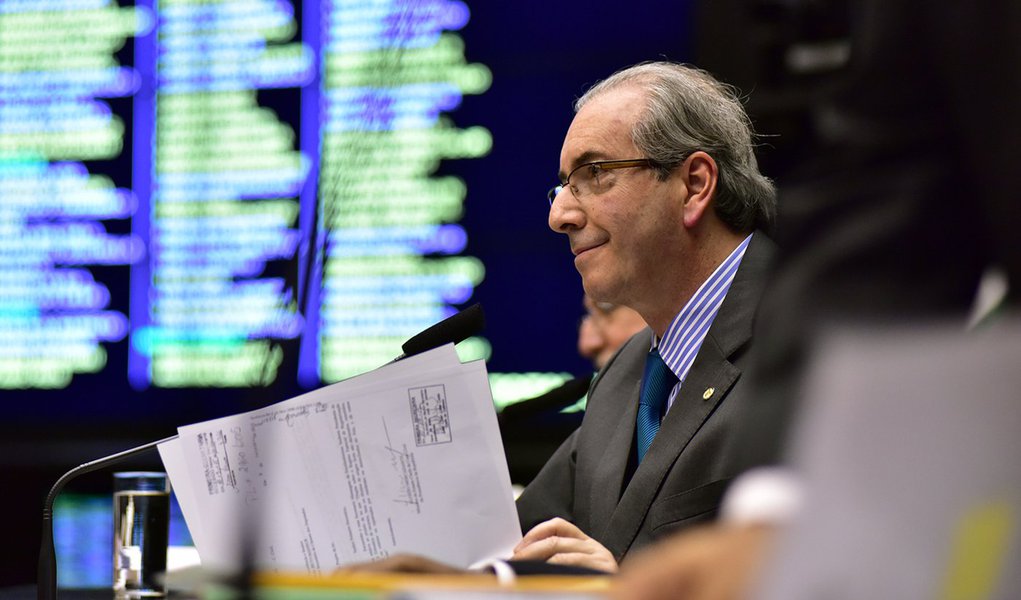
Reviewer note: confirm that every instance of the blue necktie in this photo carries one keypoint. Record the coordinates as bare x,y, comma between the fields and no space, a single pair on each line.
656,386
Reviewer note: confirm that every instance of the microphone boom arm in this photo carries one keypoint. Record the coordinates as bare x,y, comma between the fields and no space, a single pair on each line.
46,586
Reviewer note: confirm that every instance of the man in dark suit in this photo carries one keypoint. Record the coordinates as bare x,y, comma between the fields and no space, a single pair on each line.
662,202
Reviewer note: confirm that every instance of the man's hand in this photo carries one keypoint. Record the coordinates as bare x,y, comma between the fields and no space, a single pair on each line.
711,563
559,542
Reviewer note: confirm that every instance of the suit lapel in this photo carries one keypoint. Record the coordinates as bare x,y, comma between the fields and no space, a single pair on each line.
608,479
616,415
686,416
730,331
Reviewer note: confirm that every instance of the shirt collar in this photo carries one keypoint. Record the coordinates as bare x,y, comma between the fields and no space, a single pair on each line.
685,334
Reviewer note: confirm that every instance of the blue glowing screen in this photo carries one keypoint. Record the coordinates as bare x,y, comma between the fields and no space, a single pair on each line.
211,205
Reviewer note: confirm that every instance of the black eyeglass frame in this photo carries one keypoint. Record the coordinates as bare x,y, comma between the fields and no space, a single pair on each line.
603,165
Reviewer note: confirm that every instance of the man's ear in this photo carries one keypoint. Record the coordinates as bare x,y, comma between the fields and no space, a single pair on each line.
699,175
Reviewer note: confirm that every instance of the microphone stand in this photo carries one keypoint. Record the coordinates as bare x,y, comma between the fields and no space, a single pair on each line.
47,584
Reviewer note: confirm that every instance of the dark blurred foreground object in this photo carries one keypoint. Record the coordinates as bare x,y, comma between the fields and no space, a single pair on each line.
911,190
897,181
895,166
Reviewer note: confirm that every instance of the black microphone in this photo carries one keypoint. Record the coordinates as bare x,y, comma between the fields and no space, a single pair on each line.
454,329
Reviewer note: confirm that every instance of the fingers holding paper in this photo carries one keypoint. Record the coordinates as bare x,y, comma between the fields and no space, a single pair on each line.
560,542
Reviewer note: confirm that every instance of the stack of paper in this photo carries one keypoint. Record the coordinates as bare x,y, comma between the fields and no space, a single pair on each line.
406,458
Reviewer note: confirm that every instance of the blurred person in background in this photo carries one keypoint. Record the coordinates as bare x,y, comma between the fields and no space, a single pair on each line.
604,329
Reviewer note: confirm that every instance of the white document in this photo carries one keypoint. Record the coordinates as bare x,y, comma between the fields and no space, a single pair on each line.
177,469
406,458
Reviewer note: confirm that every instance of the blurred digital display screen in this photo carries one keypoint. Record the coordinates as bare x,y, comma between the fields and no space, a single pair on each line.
246,199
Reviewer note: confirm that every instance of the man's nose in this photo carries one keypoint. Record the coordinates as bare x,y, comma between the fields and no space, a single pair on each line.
565,213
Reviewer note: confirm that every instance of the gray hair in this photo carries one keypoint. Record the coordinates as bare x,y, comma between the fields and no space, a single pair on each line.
688,110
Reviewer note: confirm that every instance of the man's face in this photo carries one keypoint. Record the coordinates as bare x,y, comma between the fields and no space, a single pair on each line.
626,237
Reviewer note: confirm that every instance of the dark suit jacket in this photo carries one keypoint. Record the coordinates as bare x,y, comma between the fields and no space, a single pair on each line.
692,459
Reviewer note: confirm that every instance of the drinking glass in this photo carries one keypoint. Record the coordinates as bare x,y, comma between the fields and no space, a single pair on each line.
141,513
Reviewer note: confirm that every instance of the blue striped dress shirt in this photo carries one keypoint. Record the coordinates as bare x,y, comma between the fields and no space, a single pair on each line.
680,344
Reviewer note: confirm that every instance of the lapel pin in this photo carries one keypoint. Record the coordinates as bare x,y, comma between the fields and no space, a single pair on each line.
708,393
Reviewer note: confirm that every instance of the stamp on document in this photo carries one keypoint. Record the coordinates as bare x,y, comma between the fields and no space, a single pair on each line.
429,415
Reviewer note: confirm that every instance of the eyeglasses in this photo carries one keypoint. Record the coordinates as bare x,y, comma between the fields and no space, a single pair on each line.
587,178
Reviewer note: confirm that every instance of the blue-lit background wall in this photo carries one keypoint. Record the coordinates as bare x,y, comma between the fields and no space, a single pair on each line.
207,206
